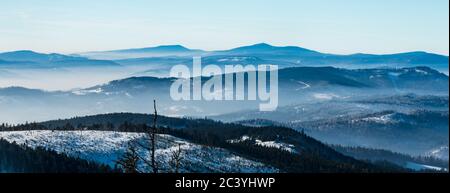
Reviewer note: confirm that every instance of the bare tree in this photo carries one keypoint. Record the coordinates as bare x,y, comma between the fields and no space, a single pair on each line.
175,159
153,139
152,133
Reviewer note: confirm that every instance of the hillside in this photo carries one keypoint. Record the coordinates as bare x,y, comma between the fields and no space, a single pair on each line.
107,147
410,124
264,144
30,59
16,158
296,85
286,56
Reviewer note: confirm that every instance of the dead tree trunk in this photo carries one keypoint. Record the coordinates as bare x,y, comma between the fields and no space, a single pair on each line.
153,139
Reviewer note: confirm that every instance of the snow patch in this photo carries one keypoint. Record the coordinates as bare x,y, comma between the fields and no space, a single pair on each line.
303,85
85,92
279,145
395,74
272,144
421,71
234,59
242,139
325,96
381,119
419,167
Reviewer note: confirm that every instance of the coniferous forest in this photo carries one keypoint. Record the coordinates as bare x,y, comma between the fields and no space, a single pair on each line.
21,159
311,156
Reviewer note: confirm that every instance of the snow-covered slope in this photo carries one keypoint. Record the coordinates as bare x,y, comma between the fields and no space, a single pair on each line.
419,167
272,144
107,147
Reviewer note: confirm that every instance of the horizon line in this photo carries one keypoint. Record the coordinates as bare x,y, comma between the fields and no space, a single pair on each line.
219,50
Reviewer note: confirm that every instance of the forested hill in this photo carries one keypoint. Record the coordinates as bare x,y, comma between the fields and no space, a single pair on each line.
283,148
374,155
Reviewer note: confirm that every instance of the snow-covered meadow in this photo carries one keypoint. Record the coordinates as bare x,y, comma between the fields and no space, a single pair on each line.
108,146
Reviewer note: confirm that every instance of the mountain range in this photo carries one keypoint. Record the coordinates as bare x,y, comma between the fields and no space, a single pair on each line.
296,85
395,102
271,146
372,107
288,55
255,54
411,124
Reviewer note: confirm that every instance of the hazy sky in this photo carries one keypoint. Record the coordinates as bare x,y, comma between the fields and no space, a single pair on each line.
334,26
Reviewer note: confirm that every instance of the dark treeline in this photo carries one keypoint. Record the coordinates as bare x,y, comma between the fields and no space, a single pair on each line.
21,159
107,122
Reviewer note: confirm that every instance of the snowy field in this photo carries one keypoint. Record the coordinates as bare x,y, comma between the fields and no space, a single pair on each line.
419,167
108,146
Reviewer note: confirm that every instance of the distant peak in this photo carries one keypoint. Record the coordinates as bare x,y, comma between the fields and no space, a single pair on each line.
22,52
267,48
162,48
262,45
172,46
29,51
255,46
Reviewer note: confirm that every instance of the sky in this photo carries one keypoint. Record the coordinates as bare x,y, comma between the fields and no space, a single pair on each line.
331,26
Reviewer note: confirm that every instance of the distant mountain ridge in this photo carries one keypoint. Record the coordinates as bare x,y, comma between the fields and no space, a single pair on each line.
31,59
301,84
290,79
285,56
423,78
31,56
264,48
158,51
412,124
164,48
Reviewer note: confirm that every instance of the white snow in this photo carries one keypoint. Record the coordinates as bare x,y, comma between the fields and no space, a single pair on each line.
299,109
418,167
395,73
85,92
233,59
416,70
242,139
379,76
421,71
128,95
325,96
279,145
108,146
304,85
381,119
273,144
